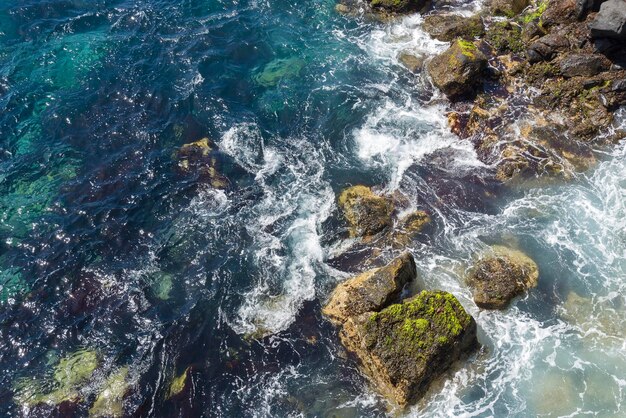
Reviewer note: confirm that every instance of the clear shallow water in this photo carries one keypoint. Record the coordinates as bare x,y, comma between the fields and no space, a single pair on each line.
104,245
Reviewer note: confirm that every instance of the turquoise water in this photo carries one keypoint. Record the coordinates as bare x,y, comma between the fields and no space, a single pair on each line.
106,246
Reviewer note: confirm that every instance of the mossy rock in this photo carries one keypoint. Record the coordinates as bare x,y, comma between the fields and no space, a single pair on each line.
398,6
406,346
505,37
457,71
279,69
370,291
500,275
409,227
508,8
447,27
366,212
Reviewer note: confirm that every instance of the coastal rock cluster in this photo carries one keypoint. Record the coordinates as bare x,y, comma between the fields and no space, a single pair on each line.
533,85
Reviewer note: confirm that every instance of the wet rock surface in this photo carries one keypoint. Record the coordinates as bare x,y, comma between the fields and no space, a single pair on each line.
447,27
457,71
500,275
366,212
370,291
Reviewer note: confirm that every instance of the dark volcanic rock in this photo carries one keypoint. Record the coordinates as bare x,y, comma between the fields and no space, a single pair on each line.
447,27
546,47
586,65
559,12
370,291
457,71
610,22
398,6
585,6
501,275
406,346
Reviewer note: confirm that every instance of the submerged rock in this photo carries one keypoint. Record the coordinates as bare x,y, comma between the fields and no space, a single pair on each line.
457,71
610,22
412,62
447,27
109,402
178,384
198,158
279,69
370,291
366,212
405,347
500,275
69,375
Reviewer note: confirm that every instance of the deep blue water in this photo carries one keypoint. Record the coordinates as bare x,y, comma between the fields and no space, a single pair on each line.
106,245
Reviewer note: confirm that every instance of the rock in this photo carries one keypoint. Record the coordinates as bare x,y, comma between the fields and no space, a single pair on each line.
457,71
397,6
370,291
366,212
409,227
603,317
405,347
559,12
279,69
109,402
501,275
342,8
610,22
447,27
585,65
585,6
411,62
508,8
505,37
198,158
546,48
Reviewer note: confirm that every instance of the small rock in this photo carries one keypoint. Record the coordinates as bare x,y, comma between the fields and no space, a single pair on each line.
501,275
411,62
398,6
457,71
610,22
447,27
366,212
109,402
406,346
198,158
370,291
558,12
508,8
586,65
178,384
342,8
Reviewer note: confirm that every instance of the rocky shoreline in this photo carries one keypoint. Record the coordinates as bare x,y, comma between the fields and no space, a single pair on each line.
534,86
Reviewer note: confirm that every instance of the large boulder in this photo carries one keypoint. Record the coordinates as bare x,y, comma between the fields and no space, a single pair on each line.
366,212
585,6
446,27
370,291
457,71
500,275
405,347
397,6
508,8
610,22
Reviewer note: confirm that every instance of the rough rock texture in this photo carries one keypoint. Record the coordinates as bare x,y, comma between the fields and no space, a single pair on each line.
447,27
197,158
409,227
370,291
406,346
456,72
366,212
547,47
508,8
585,65
412,62
501,275
610,22
585,6
398,6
